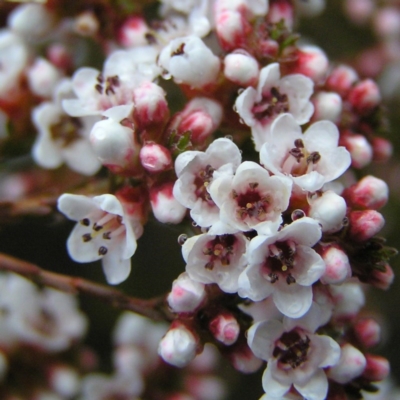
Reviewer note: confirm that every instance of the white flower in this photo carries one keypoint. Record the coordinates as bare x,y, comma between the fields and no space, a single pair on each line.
13,60
103,232
310,159
195,171
43,77
284,266
274,95
62,138
123,71
216,259
188,60
252,199
296,356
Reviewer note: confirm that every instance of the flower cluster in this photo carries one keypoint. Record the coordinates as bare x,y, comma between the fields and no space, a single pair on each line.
212,115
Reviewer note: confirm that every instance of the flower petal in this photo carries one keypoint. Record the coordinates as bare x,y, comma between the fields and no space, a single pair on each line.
293,300
316,388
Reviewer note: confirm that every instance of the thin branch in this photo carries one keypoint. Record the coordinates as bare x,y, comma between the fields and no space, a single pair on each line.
154,309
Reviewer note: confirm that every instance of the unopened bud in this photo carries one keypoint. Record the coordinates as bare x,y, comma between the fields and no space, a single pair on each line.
232,29
359,149
369,193
382,149
337,266
327,106
179,346
206,387
64,380
86,24
186,294
59,56
329,210
155,158
365,224
165,207
150,104
368,332
364,96
282,10
351,365
382,279
359,11
133,32
312,62
225,328
241,68
42,77
377,368
342,79
348,299
244,360
387,22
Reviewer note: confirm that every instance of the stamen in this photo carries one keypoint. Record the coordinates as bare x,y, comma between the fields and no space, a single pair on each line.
85,221
102,250
299,144
290,279
209,266
107,235
253,185
86,237
99,88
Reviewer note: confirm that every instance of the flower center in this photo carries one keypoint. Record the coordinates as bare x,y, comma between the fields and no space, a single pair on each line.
201,181
104,230
291,350
219,250
272,104
299,161
280,262
65,131
107,86
252,203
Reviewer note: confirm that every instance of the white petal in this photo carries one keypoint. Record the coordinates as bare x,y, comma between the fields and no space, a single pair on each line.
252,285
293,300
118,113
244,104
321,135
331,350
115,268
269,77
273,387
309,266
316,388
310,182
224,151
46,153
84,81
79,250
109,203
75,206
80,108
305,231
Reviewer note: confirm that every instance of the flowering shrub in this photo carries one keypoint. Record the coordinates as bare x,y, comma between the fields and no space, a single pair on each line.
214,121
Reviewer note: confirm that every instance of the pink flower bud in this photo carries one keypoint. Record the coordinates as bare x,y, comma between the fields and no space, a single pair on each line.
166,208
150,104
377,368
155,158
382,148
337,265
206,387
225,328
232,29
312,62
368,332
186,294
59,56
383,279
327,105
341,79
365,96
179,346
365,224
133,32
281,10
244,360
42,77
241,68
387,22
369,193
329,210
359,149
359,10
351,365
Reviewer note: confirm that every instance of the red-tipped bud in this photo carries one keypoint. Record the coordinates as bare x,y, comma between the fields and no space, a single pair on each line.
365,96
133,32
369,193
341,79
359,149
311,62
150,104
377,368
241,68
337,265
59,56
155,158
365,224
383,279
368,332
281,10
225,328
186,294
166,208
382,148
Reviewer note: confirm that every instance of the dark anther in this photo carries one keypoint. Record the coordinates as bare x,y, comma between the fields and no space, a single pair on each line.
253,185
102,251
275,92
100,78
151,39
297,214
296,153
299,144
314,157
85,221
209,266
109,89
274,277
97,227
290,279
113,80
86,237
234,194
107,235
182,239
99,88
179,50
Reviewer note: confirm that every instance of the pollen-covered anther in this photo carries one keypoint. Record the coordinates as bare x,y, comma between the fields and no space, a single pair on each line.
102,250
85,221
86,237
314,157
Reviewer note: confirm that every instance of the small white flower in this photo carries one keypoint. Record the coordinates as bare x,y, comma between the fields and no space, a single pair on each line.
188,60
196,170
216,259
252,199
284,266
310,159
103,232
274,95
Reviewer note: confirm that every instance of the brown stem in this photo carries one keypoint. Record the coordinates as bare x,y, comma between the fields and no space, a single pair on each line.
155,309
